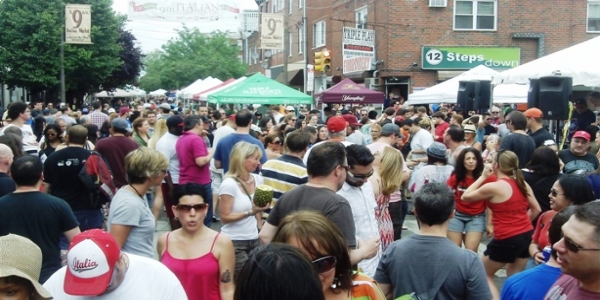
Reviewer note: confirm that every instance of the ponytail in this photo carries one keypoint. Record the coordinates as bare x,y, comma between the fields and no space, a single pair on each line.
508,162
521,182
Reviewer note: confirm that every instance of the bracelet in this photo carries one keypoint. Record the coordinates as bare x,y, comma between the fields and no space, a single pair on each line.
248,213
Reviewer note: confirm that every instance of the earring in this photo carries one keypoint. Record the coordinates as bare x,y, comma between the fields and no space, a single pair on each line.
336,283
205,216
176,218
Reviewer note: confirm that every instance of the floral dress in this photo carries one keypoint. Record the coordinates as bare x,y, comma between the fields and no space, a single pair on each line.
384,221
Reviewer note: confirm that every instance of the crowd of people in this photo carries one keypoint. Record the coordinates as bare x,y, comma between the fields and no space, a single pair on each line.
339,181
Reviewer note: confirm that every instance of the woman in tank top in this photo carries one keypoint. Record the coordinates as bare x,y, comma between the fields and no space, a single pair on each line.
513,207
202,259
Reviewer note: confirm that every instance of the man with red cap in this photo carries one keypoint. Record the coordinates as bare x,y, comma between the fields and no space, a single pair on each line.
576,159
535,128
97,269
337,132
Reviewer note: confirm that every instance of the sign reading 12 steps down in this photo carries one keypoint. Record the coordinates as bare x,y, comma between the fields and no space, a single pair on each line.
465,58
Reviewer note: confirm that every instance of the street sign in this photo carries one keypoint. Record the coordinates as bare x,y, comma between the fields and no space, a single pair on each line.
78,24
310,78
466,58
271,31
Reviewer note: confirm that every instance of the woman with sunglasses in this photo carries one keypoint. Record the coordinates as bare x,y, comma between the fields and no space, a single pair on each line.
273,146
567,190
201,258
513,206
386,184
52,138
324,244
241,218
130,219
469,221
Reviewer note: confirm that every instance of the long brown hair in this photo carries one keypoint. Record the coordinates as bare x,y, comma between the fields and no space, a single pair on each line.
508,164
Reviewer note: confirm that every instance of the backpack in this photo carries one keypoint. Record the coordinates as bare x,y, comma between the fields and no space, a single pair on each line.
97,177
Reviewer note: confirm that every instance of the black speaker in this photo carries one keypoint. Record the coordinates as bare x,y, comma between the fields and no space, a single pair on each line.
554,96
484,101
468,93
533,95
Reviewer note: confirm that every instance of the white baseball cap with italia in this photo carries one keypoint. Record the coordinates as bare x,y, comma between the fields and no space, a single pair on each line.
91,261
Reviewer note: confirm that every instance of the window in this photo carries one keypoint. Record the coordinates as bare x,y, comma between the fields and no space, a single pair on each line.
593,16
475,14
300,3
300,39
290,43
319,34
290,10
361,17
266,6
275,8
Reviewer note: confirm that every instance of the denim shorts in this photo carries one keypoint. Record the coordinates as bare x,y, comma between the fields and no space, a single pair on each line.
467,223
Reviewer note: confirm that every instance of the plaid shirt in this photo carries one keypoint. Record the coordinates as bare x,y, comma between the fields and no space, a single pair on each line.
98,118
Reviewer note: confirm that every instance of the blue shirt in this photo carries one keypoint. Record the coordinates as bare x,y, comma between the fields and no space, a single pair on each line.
226,144
532,284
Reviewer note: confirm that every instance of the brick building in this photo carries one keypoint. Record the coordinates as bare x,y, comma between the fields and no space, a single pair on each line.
418,43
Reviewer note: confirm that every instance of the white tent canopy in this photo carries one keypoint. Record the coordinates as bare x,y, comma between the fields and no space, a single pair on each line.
204,96
510,93
446,91
159,92
189,92
118,93
579,62
135,91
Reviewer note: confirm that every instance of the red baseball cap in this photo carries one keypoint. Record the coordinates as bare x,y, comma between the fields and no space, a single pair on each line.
582,134
91,261
123,110
336,124
533,113
351,119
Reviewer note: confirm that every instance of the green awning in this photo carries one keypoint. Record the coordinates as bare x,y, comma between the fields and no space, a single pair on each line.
258,89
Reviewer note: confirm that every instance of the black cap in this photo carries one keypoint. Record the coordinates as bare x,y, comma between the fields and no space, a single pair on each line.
174,121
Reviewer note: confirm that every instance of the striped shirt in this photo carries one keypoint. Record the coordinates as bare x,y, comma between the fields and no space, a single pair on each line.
283,174
98,118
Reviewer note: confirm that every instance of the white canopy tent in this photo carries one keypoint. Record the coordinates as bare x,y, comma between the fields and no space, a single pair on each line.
579,62
204,96
135,91
510,93
446,91
159,92
118,93
189,92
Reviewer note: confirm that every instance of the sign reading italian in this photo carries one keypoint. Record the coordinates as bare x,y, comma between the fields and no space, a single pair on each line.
78,24
271,31
358,49
466,58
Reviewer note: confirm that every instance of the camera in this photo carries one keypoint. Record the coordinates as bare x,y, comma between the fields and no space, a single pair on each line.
414,65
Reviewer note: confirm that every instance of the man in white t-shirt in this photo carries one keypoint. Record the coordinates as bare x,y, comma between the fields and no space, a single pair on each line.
166,146
97,269
421,140
19,113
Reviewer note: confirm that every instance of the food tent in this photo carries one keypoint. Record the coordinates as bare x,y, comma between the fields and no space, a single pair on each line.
579,62
510,93
222,84
204,95
189,92
258,89
117,93
348,91
159,92
447,91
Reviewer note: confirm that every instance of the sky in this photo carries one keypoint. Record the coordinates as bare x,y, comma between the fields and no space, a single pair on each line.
151,34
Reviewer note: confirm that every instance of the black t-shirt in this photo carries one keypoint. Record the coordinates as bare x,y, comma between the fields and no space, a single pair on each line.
540,136
7,185
541,186
587,163
61,171
41,218
522,145
333,206
581,121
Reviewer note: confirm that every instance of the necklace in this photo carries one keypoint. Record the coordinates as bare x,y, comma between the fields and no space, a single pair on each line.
250,178
136,191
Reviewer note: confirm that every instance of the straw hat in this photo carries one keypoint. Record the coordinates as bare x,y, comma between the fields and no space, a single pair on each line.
22,258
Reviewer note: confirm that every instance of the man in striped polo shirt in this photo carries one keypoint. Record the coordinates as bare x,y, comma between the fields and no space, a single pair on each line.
288,171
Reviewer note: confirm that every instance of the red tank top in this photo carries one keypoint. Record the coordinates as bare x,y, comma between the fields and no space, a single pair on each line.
199,276
510,217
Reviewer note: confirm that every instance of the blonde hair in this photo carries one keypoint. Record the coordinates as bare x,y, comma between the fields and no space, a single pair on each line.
508,164
390,171
144,163
240,152
160,128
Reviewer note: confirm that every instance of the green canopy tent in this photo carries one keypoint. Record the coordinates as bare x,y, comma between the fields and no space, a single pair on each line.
258,89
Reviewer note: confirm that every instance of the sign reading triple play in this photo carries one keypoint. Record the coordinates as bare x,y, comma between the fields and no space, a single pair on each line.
459,58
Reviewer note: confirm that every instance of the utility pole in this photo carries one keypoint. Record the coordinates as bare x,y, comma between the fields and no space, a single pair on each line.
63,97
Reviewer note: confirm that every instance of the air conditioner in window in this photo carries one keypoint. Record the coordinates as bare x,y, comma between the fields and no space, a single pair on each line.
438,3
372,83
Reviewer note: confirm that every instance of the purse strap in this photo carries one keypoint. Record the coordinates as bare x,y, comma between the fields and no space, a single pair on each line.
243,187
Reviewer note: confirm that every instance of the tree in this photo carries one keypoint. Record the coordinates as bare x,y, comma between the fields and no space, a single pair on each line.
131,58
150,81
193,55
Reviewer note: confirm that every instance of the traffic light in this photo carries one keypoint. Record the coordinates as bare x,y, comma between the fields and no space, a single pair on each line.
323,60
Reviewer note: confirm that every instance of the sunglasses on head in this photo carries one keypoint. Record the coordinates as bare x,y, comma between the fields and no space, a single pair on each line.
325,264
187,207
571,246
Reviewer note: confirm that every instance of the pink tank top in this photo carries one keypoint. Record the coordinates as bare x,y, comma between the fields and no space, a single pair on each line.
199,276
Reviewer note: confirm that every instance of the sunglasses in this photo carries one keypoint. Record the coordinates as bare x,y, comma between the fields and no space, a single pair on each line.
276,142
362,176
187,207
324,264
293,120
555,193
571,246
